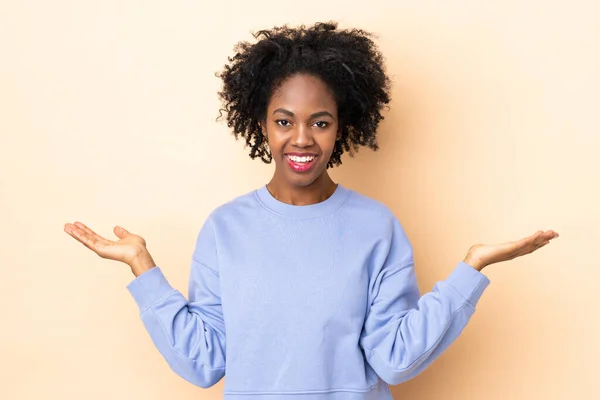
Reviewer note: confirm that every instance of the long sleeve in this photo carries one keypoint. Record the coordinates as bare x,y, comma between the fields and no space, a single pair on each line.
189,334
403,332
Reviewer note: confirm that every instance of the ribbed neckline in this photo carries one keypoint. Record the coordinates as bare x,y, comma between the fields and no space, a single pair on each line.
324,207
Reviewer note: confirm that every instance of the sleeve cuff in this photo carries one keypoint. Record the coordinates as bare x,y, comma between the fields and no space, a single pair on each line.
149,287
468,282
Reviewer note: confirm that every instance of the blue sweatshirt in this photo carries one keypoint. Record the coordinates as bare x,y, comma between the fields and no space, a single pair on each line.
316,302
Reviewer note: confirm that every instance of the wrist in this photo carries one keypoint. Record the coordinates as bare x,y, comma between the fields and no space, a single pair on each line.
475,263
141,263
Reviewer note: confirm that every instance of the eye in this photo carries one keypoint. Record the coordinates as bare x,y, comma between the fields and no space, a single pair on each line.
322,124
283,122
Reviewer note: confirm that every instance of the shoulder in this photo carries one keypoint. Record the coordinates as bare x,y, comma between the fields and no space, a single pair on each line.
236,210
374,216
236,214
377,220
364,206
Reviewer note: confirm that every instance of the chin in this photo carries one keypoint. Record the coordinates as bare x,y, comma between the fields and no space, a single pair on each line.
303,180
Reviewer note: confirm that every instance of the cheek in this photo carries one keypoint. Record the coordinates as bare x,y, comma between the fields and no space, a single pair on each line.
274,142
275,146
327,143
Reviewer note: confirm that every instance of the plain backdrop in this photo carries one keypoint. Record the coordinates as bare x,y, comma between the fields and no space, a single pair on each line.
107,116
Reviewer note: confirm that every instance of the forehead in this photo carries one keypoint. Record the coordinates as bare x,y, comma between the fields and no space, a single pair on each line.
303,93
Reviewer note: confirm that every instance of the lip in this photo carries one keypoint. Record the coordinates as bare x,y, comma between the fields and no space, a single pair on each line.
303,167
300,154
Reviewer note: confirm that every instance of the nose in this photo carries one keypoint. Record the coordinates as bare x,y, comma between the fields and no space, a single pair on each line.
302,136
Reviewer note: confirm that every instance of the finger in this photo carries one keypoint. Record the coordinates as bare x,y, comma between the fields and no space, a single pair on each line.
546,236
537,235
93,235
121,232
536,239
537,246
526,245
81,237
85,229
526,242
540,238
70,228
88,237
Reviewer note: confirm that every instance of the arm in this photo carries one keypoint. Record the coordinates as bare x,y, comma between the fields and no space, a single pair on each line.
189,334
404,333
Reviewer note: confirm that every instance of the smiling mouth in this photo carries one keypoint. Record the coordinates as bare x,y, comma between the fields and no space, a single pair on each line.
300,163
301,159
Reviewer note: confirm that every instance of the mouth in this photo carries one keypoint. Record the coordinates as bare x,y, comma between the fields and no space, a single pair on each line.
300,163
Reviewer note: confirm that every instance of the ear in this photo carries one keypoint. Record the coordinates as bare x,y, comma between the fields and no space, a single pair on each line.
339,134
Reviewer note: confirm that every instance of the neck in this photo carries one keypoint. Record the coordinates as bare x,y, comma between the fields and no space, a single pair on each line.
320,190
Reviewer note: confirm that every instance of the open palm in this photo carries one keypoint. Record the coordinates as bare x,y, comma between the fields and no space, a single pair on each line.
481,255
126,249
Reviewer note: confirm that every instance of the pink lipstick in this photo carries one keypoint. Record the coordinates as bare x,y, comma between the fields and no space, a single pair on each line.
300,162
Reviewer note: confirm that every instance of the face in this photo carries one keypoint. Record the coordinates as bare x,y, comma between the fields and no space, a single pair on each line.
301,127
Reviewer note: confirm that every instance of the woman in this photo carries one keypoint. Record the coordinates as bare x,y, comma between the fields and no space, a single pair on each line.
303,288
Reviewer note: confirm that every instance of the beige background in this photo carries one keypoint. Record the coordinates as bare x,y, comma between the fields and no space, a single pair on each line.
107,115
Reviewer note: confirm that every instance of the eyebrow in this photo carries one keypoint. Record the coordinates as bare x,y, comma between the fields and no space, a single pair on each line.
315,115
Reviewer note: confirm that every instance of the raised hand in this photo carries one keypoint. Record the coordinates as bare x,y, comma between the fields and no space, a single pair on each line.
480,255
129,249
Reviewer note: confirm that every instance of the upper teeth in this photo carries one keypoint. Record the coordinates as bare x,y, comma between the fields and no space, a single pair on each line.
301,159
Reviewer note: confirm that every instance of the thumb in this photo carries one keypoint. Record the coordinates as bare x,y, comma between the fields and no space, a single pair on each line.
121,232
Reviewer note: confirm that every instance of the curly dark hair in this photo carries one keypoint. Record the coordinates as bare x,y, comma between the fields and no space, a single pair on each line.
348,61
